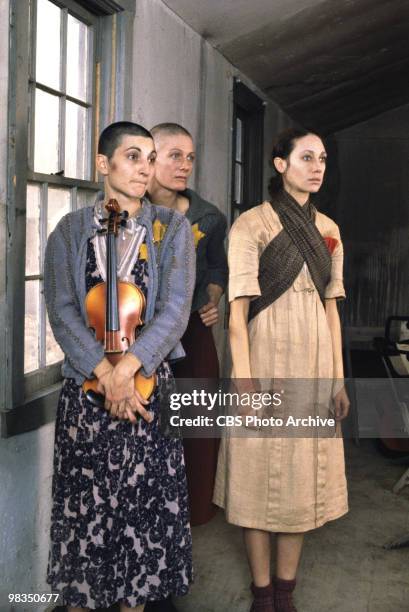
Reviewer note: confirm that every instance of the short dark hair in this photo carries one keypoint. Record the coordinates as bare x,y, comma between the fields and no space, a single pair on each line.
282,147
112,135
169,129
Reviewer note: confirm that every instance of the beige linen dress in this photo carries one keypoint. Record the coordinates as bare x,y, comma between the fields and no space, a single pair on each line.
282,484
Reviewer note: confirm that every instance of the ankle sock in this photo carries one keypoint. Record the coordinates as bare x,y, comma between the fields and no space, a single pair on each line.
283,600
263,598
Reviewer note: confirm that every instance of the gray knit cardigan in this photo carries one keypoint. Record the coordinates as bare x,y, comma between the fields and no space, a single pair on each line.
171,270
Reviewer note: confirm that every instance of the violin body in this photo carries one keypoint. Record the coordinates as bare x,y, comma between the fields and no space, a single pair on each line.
131,306
115,311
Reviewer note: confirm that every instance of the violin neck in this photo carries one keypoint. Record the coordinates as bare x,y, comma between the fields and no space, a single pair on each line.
112,312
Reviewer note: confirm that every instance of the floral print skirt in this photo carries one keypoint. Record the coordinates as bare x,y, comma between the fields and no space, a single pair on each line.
120,521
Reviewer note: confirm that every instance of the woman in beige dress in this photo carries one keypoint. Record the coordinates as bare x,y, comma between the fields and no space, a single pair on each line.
285,262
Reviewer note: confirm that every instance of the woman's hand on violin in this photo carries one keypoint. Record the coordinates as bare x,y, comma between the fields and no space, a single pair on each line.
125,400
127,409
103,371
137,405
118,385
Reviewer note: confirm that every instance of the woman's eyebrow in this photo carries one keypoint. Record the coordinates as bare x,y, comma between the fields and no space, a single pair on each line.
135,148
175,149
312,152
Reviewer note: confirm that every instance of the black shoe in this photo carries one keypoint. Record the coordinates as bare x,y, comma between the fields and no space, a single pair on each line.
165,605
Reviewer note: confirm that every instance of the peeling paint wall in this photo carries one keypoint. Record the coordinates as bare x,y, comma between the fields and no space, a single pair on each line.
373,211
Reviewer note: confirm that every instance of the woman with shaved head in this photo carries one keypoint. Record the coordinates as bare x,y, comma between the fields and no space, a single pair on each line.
120,530
168,187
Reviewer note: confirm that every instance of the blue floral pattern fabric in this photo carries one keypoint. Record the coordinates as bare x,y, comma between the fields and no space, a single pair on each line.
120,521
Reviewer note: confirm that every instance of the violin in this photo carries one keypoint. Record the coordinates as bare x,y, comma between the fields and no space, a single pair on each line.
115,311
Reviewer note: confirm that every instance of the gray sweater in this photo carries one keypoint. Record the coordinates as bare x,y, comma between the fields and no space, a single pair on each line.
171,269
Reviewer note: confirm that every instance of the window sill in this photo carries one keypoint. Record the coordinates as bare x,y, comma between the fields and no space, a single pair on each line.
36,411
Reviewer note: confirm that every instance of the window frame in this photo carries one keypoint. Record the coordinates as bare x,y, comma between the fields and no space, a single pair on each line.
249,108
47,375
21,412
67,7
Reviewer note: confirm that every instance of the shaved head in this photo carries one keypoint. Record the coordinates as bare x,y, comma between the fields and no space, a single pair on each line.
175,156
169,129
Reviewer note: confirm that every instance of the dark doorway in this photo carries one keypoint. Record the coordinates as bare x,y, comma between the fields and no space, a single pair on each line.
247,171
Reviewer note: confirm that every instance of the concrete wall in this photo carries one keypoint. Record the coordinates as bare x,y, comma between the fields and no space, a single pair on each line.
373,210
177,76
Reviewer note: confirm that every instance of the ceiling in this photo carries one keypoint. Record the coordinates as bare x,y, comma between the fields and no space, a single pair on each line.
328,63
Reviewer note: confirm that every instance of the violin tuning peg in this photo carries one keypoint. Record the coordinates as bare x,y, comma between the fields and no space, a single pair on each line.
101,231
124,214
123,223
103,220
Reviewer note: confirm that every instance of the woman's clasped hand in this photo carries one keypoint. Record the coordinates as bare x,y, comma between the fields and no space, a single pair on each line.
117,383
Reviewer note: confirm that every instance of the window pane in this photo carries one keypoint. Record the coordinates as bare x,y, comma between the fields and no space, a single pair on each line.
239,139
48,44
33,230
75,141
85,197
32,326
46,133
59,204
53,351
77,58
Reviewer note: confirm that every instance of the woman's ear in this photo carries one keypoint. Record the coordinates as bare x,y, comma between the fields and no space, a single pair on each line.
102,164
280,164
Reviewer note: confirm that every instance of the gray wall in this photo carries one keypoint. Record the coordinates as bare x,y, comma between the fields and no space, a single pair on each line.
25,477
373,210
177,76
4,47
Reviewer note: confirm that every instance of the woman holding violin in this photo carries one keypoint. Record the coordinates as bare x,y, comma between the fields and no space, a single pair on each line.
119,279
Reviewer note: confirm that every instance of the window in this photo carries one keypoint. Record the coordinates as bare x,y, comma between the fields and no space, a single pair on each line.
61,119
63,87
247,172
